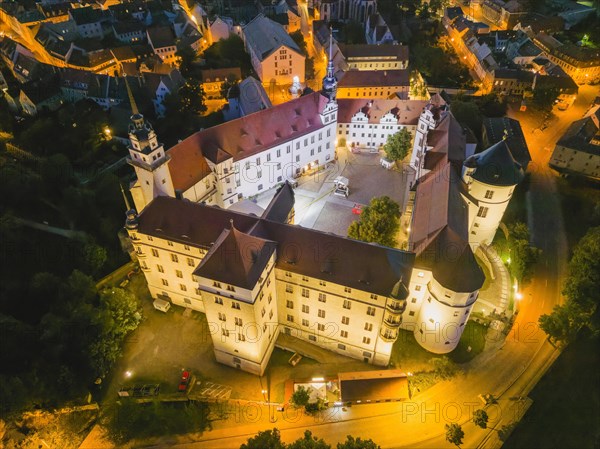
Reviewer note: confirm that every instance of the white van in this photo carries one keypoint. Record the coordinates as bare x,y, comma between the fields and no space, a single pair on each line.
162,305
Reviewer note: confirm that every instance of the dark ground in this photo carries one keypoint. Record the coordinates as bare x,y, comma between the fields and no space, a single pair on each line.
566,409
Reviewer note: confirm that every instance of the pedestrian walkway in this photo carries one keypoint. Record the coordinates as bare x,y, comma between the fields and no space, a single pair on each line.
306,349
495,297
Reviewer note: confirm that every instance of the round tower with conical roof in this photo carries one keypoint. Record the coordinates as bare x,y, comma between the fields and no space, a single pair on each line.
490,178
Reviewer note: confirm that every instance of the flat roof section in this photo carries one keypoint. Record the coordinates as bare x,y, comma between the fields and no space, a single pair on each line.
373,386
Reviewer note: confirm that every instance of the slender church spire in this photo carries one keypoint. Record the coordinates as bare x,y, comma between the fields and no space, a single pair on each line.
329,81
134,108
127,205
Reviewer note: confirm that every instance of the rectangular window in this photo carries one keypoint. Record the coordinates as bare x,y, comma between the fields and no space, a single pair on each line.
489,194
322,297
165,282
482,212
347,289
235,305
241,337
373,296
347,304
154,252
288,274
178,273
160,268
217,284
225,332
289,288
345,320
191,262
222,317
413,300
312,338
305,308
169,243
218,300
182,287
239,321
321,313
368,327
305,323
366,340
417,288
290,318
305,293
341,346
321,327
174,258
411,313
289,304
371,311
231,288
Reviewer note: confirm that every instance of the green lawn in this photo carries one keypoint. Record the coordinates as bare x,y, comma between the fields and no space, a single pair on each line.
473,337
408,355
566,403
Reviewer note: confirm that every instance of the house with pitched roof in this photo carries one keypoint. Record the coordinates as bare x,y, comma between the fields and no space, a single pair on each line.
273,53
162,41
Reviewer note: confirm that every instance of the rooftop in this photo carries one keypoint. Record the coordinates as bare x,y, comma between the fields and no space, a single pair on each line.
359,51
359,265
375,78
265,36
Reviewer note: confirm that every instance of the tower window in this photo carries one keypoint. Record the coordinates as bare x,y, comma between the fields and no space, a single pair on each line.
482,212
489,194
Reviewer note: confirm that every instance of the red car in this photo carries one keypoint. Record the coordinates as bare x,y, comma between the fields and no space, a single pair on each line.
185,380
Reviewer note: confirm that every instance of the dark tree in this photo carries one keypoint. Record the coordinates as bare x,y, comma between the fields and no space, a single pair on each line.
267,439
480,418
379,222
357,443
309,442
454,434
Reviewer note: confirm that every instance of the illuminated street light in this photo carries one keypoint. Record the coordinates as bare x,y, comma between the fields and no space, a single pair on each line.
518,295
128,374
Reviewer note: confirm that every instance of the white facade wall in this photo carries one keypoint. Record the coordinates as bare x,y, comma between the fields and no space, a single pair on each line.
168,267
486,205
576,161
436,315
282,66
242,323
340,319
360,133
255,174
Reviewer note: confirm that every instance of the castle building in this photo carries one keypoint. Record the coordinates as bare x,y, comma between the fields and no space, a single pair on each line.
256,277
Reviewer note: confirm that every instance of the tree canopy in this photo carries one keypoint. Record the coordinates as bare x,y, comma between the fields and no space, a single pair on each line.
379,222
480,418
398,145
271,439
454,434
581,290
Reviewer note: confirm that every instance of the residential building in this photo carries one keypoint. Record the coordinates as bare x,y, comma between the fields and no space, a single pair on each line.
246,98
515,82
162,41
213,79
370,57
129,32
160,85
578,151
495,129
580,63
40,95
377,31
374,84
557,79
90,22
503,14
273,53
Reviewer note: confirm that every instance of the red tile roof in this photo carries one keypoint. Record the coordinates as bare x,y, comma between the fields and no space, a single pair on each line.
407,112
254,133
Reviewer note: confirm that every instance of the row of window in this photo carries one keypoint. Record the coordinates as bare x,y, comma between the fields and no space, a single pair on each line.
321,328
322,298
